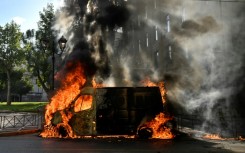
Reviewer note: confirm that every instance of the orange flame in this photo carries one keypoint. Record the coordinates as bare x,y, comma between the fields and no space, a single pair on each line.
241,138
213,137
160,131
62,101
83,103
218,137
96,85
148,83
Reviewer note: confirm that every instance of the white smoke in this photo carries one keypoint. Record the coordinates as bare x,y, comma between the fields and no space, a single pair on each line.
207,66
214,64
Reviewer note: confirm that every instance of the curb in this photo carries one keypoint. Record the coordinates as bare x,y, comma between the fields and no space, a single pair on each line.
23,132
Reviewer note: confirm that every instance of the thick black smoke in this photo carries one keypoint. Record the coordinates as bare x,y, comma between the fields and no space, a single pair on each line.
88,23
113,16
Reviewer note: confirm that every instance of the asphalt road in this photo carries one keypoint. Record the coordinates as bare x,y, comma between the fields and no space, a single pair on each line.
32,143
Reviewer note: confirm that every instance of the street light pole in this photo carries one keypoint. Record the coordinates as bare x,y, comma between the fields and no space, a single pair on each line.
53,65
62,44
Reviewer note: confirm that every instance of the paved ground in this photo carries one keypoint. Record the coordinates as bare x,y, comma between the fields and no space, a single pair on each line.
32,143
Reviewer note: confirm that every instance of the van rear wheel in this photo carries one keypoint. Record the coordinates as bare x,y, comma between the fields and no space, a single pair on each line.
145,132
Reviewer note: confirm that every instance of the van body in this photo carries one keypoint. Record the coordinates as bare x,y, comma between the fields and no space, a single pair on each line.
116,111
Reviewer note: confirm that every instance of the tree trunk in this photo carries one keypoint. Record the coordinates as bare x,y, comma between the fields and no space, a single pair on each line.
20,98
8,88
48,91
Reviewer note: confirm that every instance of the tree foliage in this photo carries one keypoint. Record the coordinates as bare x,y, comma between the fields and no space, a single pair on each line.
12,53
39,56
20,85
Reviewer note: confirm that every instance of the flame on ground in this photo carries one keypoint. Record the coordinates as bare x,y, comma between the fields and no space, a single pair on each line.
218,137
213,137
159,129
241,138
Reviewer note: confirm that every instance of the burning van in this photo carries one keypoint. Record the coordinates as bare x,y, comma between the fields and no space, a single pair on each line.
78,106
113,111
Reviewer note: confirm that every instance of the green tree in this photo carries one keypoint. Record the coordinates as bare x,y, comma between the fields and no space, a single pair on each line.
39,57
20,85
2,86
11,52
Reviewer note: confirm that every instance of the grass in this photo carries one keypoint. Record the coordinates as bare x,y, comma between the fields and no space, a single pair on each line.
23,106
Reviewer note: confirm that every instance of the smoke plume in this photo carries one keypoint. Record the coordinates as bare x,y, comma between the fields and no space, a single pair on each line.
196,47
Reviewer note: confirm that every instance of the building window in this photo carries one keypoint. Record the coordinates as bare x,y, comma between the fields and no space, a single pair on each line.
139,46
170,52
168,23
146,13
156,33
147,40
139,24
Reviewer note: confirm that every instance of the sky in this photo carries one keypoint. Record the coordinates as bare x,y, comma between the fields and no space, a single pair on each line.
24,12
